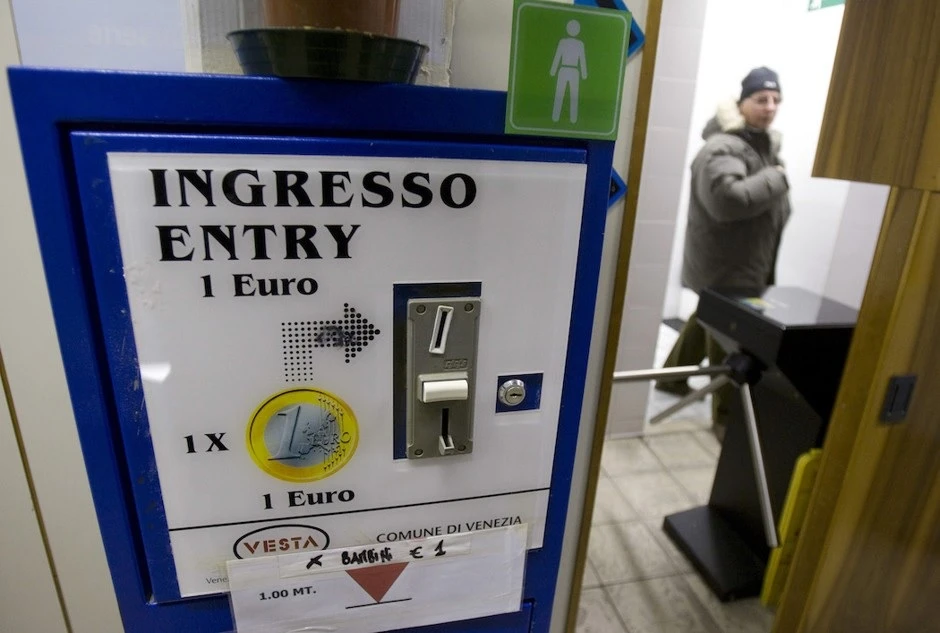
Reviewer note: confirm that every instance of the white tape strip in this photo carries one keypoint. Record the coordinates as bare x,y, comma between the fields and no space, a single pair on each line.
418,551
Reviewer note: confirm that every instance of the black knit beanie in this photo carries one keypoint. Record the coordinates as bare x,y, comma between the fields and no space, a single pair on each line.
759,79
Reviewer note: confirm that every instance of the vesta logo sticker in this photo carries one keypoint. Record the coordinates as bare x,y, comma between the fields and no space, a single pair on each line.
302,435
281,539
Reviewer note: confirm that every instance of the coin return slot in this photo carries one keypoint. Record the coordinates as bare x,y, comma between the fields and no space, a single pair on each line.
446,443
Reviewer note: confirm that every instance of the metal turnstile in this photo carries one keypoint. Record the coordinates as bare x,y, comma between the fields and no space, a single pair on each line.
787,348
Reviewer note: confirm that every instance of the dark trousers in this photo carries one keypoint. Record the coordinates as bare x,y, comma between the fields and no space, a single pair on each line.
694,345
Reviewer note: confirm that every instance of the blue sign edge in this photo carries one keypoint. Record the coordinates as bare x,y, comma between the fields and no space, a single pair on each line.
621,188
637,38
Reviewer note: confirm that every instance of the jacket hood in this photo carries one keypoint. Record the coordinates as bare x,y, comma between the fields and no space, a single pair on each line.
728,118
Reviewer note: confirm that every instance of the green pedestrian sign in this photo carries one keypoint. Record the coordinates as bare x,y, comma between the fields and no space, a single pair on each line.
566,70
823,4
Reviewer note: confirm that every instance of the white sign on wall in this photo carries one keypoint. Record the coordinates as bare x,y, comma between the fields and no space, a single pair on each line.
381,587
261,297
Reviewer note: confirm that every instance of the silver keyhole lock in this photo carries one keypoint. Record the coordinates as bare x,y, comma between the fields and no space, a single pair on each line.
512,392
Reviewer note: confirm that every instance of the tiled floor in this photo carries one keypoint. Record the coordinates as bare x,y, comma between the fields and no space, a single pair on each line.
636,581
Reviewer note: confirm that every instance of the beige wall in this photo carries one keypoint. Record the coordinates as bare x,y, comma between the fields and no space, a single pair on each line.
28,596
44,413
25,574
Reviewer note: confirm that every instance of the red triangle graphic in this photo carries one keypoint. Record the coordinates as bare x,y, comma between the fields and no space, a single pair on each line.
377,580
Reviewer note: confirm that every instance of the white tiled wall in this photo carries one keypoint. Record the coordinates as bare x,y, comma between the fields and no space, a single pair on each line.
644,327
664,163
653,244
855,244
644,289
658,192
672,95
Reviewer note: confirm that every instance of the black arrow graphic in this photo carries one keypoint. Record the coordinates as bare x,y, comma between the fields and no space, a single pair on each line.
353,332
301,339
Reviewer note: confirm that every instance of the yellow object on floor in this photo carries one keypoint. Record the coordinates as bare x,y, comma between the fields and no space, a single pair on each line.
790,525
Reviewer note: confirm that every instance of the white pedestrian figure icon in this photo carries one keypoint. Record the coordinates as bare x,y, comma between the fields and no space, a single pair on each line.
570,66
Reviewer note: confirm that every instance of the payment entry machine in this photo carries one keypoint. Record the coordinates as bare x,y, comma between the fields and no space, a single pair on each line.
326,343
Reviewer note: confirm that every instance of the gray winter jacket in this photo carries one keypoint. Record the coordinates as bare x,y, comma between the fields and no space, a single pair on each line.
738,206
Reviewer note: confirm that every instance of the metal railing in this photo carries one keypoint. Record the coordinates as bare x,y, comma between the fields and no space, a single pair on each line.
740,370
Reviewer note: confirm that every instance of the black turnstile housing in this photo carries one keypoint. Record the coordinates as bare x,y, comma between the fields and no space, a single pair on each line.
802,340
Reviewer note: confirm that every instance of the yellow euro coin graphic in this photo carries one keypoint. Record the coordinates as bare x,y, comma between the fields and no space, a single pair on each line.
302,435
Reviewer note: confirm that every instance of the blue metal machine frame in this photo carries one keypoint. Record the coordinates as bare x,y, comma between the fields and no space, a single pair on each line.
51,105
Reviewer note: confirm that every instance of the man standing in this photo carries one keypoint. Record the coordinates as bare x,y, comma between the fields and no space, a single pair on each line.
738,207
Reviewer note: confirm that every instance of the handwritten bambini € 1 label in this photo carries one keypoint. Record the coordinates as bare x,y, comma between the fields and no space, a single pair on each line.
382,586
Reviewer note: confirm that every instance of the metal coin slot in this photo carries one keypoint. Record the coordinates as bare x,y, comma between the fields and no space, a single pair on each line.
441,329
441,345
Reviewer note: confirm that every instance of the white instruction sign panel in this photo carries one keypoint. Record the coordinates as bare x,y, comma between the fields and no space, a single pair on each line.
261,291
381,587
